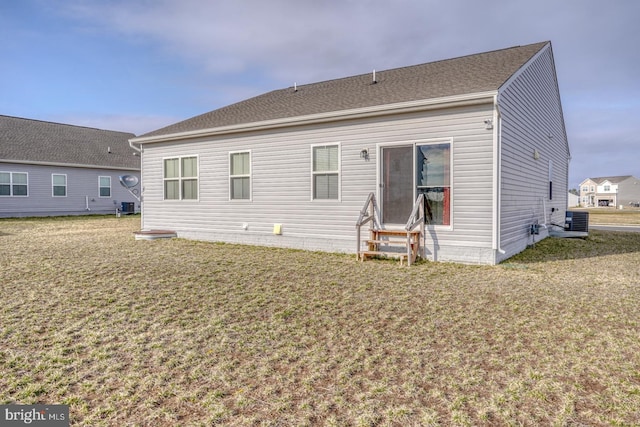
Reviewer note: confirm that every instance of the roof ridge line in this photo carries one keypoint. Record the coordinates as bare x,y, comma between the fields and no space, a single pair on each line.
63,124
410,66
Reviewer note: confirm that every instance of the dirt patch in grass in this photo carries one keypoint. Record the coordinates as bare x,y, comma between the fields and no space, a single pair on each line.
177,332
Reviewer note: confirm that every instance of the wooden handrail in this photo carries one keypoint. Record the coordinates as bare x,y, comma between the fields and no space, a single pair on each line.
417,214
367,214
415,219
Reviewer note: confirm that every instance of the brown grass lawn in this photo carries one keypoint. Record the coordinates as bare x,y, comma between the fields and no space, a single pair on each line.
626,216
184,333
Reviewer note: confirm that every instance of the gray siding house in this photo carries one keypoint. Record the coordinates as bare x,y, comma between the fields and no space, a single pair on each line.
50,169
610,191
480,140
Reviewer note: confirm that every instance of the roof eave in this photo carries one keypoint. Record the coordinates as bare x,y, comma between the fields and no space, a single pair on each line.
378,110
67,165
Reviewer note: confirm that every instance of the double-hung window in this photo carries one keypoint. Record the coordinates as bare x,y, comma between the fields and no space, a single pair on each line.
181,178
104,186
326,172
240,175
59,185
13,184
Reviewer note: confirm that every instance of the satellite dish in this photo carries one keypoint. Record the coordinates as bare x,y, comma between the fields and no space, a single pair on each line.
128,181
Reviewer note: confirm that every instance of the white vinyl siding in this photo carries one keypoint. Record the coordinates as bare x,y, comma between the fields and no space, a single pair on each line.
282,182
325,163
104,186
59,185
532,122
15,184
240,175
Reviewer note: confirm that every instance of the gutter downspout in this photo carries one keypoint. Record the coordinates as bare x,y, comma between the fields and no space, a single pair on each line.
497,175
141,198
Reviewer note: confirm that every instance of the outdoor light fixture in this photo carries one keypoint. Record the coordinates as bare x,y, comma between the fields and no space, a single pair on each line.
488,124
364,153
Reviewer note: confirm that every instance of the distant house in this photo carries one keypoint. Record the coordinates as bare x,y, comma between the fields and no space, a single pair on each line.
294,167
610,191
49,169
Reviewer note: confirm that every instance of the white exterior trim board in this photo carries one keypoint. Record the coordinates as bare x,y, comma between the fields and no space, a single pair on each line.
66,165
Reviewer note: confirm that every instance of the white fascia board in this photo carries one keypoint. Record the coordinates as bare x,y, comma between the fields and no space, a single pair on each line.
378,110
67,165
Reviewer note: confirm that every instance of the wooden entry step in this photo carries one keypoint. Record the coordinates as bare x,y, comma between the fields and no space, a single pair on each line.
396,247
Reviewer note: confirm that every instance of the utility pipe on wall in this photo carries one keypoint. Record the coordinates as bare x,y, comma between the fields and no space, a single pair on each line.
497,174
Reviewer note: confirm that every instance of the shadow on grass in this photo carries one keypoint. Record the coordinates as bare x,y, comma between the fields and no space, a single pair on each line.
599,243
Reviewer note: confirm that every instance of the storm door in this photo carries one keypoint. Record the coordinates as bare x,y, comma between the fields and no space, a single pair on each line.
396,183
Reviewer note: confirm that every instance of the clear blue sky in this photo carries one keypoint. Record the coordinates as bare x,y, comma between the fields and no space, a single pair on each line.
138,65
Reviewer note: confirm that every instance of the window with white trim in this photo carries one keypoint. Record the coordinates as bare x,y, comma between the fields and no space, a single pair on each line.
104,184
433,168
14,184
59,185
181,178
326,172
240,175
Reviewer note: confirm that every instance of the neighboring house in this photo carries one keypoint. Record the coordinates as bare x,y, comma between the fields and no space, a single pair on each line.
482,137
50,169
612,191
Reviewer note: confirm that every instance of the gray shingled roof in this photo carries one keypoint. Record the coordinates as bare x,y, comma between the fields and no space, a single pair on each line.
611,179
46,142
465,75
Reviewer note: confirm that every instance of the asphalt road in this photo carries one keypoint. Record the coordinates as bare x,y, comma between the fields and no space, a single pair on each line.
627,228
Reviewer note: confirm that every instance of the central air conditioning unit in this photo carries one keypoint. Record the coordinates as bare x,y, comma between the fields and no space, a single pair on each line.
577,221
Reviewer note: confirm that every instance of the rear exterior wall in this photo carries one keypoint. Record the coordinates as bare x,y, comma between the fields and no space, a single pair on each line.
281,184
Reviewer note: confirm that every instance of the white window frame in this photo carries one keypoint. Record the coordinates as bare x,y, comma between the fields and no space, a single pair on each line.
249,175
415,143
338,172
12,184
100,187
181,178
53,185
438,141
